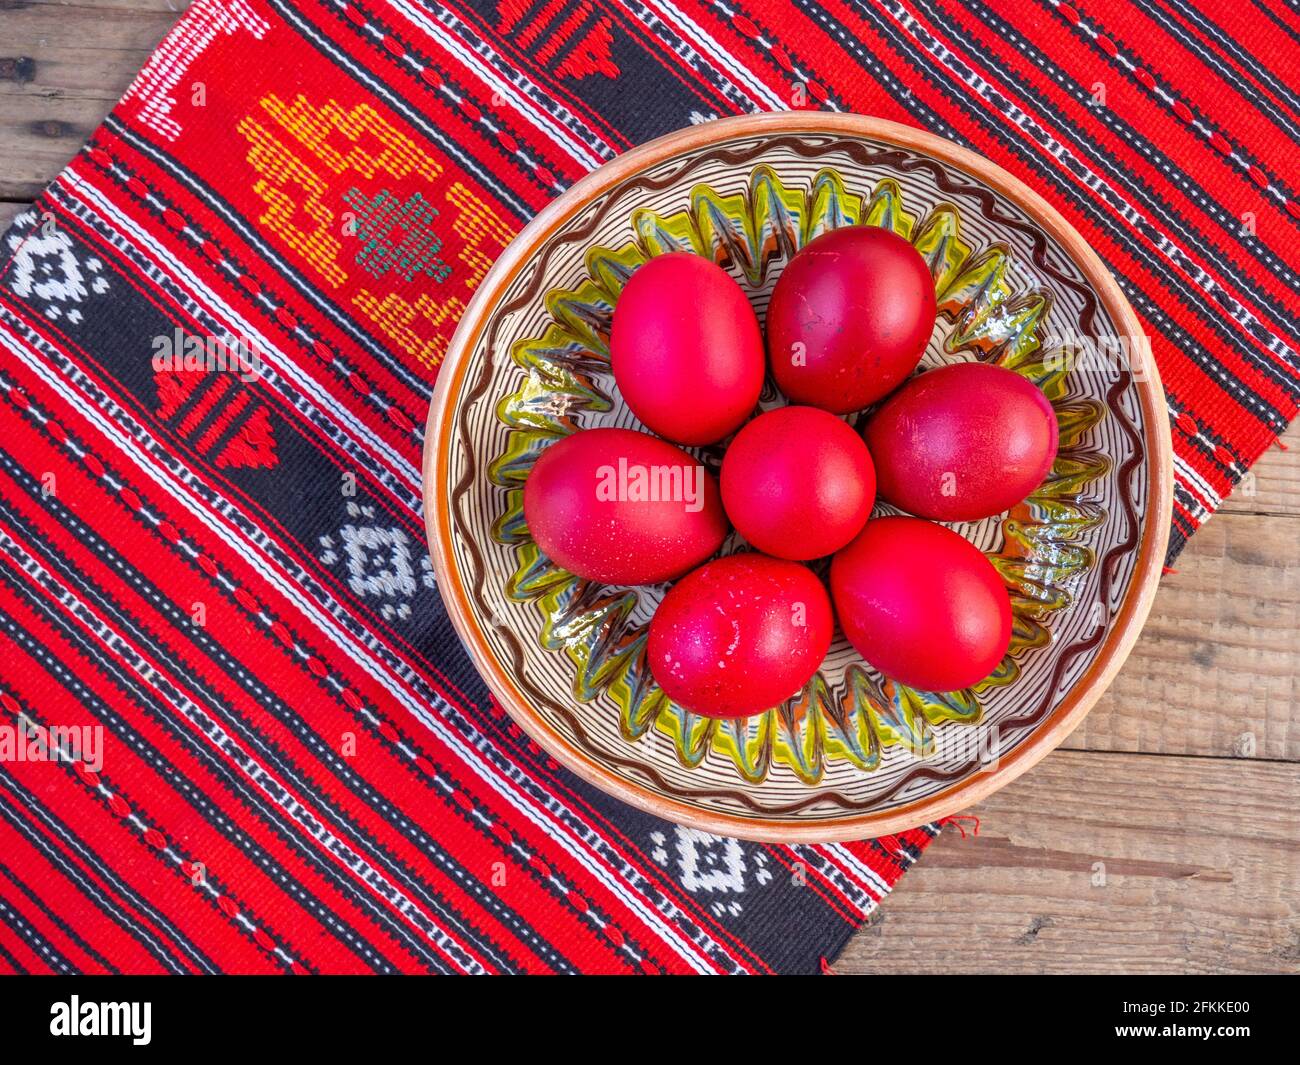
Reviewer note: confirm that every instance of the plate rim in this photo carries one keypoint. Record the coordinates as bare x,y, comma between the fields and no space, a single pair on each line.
1083,695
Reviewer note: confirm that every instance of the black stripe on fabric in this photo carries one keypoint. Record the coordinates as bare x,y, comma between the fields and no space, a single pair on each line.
287,832
645,57
40,946
1248,401
457,714
18,968
1289,30
586,126
233,428
1228,50
55,919
266,699
1179,534
164,297
1256,248
377,803
484,944
1261,333
1275,183
139,931
1186,499
196,395
326,435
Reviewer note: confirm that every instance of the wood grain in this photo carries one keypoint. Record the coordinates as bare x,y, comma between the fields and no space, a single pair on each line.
62,67
1214,673
1106,863
1200,852
1272,486
8,212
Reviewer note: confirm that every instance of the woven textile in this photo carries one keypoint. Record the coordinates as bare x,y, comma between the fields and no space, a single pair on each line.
224,569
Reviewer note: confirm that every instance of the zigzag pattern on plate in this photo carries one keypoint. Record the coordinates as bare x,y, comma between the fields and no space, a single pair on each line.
857,719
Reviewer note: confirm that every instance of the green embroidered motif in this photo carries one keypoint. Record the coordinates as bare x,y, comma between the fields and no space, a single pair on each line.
396,235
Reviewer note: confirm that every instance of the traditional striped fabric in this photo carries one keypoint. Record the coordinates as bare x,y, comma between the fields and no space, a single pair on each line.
218,568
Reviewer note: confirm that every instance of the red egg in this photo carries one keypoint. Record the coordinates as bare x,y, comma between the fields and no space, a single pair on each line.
739,635
686,350
798,483
962,442
850,318
921,604
623,507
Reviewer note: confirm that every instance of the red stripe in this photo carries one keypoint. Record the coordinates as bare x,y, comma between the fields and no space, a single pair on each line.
143,560
261,767
1084,126
25,957
1189,79
1050,163
212,392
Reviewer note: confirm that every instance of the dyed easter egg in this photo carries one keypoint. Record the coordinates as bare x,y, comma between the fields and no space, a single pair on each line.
623,507
686,350
962,442
798,483
849,318
921,604
739,635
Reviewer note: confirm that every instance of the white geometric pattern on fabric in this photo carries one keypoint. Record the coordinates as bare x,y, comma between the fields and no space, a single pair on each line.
380,562
47,272
712,865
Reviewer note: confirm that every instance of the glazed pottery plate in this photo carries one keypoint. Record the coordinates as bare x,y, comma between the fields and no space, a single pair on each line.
853,754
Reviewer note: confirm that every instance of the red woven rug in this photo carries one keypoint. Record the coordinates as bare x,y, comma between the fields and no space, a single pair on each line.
224,571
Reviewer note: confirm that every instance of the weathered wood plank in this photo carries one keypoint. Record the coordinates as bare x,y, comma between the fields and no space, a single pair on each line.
8,212
1273,484
1215,671
62,67
1106,863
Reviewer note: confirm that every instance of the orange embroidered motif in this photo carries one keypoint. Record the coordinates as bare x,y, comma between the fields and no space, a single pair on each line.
315,128
287,185
397,234
356,140
477,225
396,315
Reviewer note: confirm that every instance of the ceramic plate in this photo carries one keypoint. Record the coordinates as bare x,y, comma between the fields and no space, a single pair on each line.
853,754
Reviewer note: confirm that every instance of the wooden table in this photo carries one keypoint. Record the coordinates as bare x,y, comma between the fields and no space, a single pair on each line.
1163,837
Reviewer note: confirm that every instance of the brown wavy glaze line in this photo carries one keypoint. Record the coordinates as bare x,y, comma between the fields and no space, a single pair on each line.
810,147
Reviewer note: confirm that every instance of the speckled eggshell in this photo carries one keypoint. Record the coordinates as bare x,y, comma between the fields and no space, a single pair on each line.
593,523
963,442
739,635
921,604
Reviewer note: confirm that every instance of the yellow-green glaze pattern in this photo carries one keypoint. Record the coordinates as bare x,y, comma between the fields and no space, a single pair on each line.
855,719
